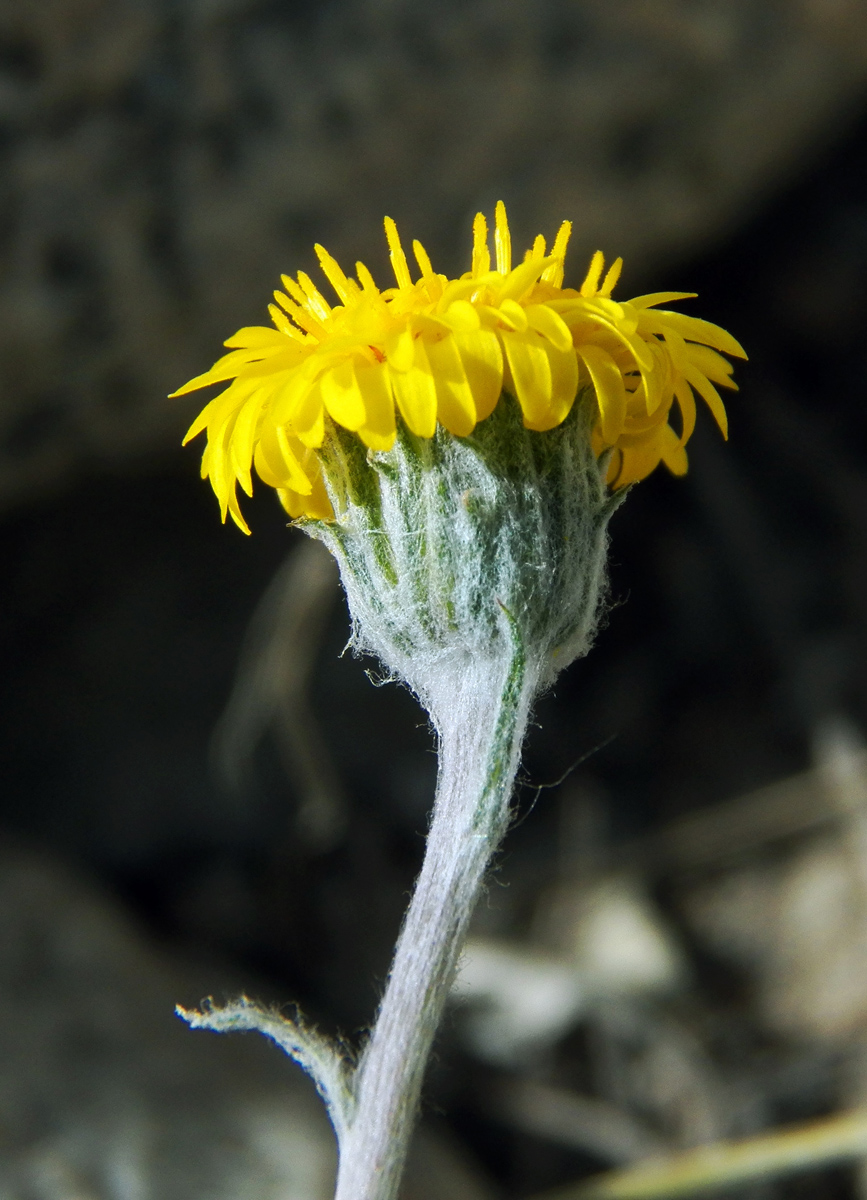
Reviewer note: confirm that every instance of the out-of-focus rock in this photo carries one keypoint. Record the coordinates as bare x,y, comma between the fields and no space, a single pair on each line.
797,921
516,1000
163,163
613,934
799,928
594,941
105,1095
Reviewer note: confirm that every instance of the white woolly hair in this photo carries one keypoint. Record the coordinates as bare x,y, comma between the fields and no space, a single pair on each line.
444,543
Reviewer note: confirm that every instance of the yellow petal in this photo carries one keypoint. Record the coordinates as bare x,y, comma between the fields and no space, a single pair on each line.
686,402
215,414
277,463
291,356
656,384
292,391
291,451
244,436
640,350
564,385
496,318
587,326
710,396
202,420
638,426
543,319
456,408
295,505
219,467
341,396
673,453
461,289
676,347
263,467
610,392
523,277
710,363
319,505
482,360
515,315
432,327
694,329
660,298
415,393
225,368
654,393
615,464
531,377
236,514
400,349
308,422
316,504
255,337
462,317
637,462
374,383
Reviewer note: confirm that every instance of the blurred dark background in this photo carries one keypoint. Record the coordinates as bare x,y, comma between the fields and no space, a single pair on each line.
196,786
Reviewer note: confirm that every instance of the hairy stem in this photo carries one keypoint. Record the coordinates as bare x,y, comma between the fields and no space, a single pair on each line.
480,709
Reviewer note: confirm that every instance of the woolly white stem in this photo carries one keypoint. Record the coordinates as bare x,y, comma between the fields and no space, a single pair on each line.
481,718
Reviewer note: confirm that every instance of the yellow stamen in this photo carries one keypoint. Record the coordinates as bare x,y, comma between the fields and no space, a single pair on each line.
398,258
591,279
315,300
333,272
611,277
538,250
282,324
366,279
554,273
421,257
301,316
502,240
481,253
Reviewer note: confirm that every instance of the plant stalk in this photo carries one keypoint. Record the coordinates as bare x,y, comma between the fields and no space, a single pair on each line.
480,710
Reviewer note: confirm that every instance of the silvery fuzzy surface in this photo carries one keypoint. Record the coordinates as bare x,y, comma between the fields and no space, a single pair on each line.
450,546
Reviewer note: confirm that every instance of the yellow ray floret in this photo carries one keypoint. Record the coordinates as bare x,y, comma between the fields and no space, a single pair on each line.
442,350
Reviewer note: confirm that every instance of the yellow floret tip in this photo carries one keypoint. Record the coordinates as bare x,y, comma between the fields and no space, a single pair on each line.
442,351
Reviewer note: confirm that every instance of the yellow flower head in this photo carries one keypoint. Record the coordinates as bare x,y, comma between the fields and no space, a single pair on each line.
443,350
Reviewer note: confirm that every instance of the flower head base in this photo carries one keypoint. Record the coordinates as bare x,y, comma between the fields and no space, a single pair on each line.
442,351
